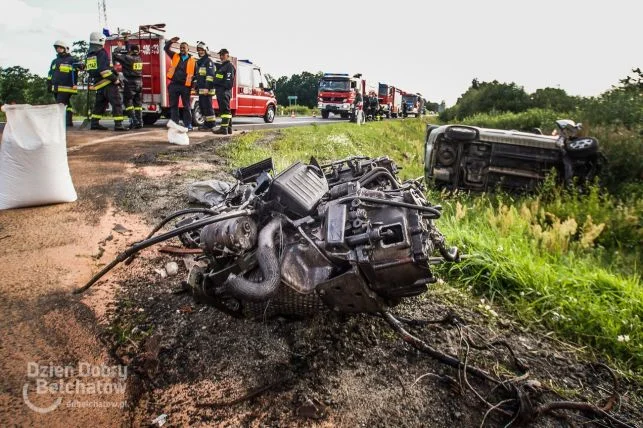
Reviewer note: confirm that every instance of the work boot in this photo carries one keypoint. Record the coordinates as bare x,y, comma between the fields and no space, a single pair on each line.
69,121
118,126
221,131
96,126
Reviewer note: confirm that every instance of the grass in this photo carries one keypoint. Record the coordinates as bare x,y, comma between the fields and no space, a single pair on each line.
401,140
564,259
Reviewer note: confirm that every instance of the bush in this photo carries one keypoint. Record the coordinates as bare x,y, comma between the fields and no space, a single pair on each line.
544,119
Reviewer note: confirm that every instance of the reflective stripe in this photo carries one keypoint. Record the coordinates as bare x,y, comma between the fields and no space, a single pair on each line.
138,108
129,108
137,66
219,76
202,71
68,89
209,78
65,68
226,116
100,84
211,92
96,116
48,77
70,109
210,118
203,91
118,117
106,73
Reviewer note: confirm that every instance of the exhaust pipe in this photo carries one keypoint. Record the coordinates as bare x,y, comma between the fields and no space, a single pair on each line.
244,289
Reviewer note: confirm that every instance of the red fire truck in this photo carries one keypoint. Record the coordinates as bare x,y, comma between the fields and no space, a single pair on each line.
336,93
251,94
390,99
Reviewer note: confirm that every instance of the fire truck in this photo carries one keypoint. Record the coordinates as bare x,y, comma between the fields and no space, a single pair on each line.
251,93
412,102
336,93
390,99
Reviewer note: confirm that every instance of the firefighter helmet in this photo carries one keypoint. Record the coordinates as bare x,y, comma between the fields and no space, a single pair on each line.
62,44
97,38
202,45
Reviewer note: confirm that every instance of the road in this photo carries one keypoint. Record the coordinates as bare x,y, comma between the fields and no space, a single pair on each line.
243,123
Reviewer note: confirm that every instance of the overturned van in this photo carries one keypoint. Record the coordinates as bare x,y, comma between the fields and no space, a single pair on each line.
473,158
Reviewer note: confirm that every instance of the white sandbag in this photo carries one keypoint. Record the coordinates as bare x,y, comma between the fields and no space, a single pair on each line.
177,134
33,157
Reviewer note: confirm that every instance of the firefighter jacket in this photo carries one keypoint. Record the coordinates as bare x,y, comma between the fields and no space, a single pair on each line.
100,69
63,74
224,76
205,75
181,70
132,64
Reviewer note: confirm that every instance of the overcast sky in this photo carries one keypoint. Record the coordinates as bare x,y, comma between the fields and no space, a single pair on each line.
435,48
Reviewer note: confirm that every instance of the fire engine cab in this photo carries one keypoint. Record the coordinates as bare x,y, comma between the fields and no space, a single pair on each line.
251,93
337,92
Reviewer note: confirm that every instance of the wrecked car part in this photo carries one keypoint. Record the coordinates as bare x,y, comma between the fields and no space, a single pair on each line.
345,235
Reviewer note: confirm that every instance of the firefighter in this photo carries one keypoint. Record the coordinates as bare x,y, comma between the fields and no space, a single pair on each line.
205,83
133,84
62,77
105,83
223,81
181,73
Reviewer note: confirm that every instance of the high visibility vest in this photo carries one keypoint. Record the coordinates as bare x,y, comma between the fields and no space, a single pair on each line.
189,68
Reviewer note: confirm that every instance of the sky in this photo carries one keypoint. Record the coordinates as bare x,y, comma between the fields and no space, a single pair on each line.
435,48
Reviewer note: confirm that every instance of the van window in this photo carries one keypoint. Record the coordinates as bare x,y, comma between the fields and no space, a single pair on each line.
256,75
245,76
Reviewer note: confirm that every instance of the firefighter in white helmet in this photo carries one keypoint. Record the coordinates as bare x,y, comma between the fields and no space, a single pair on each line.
204,79
63,74
105,83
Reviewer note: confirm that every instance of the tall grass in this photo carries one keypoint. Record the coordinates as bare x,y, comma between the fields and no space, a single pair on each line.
543,259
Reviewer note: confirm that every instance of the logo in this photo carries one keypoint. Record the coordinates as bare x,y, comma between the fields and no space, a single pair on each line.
54,386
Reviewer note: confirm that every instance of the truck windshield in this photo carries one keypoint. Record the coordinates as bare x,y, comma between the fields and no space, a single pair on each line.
409,99
334,85
383,91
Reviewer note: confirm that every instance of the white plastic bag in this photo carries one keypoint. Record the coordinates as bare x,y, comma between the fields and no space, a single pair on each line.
33,157
177,134
210,192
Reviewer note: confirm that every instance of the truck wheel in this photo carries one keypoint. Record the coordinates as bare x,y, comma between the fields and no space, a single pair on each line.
269,117
582,146
324,114
150,119
197,117
345,116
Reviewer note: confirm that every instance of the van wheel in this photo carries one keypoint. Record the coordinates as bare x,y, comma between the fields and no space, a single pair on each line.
197,117
582,146
150,119
269,116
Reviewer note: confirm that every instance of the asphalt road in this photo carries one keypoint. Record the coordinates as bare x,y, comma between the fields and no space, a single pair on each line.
243,123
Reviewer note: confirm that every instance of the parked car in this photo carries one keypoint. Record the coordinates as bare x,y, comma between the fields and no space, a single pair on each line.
472,158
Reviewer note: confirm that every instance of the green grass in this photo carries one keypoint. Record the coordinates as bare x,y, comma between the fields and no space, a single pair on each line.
401,140
567,260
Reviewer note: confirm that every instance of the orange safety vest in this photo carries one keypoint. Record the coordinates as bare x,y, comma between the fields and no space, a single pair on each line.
189,68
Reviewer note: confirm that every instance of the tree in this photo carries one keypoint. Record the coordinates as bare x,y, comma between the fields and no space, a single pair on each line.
303,86
555,99
487,97
14,82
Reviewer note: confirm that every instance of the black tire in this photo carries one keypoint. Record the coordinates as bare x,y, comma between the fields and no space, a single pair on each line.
324,114
197,117
345,115
582,146
150,119
461,133
269,116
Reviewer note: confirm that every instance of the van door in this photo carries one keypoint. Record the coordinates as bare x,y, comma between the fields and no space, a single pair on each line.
245,103
259,92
